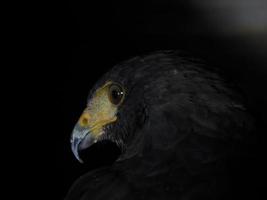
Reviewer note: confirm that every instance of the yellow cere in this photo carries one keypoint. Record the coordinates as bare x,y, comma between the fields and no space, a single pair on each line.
99,112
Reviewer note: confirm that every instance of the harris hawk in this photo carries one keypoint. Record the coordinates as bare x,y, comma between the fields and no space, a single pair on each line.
178,125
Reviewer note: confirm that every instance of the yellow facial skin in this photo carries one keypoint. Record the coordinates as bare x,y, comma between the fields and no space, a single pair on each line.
99,112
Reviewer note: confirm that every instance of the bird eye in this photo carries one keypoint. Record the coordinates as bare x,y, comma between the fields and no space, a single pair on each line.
116,94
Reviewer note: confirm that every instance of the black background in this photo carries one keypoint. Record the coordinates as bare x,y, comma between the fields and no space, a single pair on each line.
80,40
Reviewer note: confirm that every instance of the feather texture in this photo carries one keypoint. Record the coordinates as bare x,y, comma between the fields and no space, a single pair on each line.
181,125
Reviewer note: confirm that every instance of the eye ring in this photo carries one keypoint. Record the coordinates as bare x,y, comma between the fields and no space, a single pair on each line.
116,94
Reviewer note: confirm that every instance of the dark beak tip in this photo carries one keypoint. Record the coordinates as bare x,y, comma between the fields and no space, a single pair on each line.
75,142
81,139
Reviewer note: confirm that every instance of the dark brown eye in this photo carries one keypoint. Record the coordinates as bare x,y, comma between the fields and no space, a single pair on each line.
116,94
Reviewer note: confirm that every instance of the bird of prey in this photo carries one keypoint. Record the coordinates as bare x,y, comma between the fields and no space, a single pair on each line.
178,125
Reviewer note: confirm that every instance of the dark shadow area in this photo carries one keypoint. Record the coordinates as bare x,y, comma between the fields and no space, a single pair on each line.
102,153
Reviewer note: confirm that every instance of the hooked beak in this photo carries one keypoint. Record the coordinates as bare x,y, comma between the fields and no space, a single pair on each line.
81,138
90,126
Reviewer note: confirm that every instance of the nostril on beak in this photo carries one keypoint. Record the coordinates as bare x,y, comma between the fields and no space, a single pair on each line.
84,121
